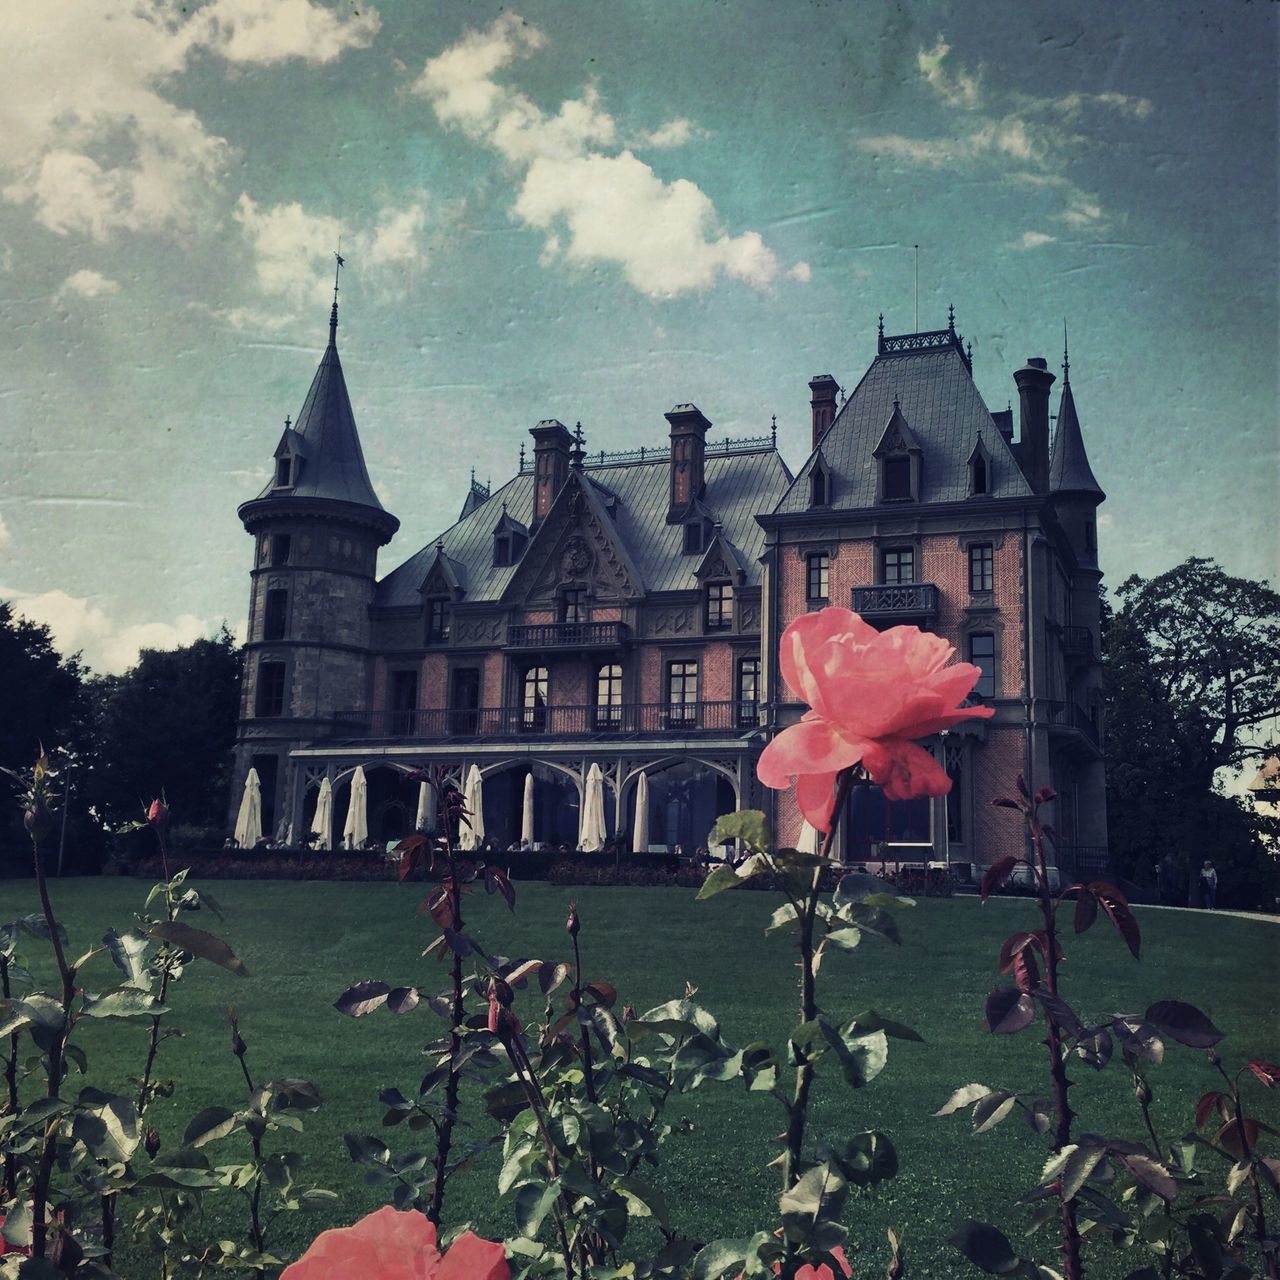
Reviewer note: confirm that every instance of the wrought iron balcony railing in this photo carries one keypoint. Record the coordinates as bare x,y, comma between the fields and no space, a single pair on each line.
896,600
633,718
1071,715
566,635
1077,642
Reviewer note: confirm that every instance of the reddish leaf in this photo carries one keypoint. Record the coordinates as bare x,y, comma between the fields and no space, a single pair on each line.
415,852
362,998
550,976
1207,1105
1138,1039
1147,1173
1095,1048
1060,1013
1267,1072
1025,972
1009,1011
1022,787
1014,943
603,992
518,975
1004,803
1042,941
1229,1137
997,873
1113,902
1086,907
1184,1023
496,881
440,903
1044,795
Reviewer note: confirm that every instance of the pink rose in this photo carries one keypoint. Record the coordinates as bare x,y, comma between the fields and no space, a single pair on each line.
870,693
390,1245
157,813
811,1272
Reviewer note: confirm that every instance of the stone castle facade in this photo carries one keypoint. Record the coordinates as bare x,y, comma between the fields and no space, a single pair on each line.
623,610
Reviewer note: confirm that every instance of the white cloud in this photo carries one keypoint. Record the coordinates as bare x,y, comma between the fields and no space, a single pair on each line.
675,133
593,201
1022,134
1033,240
5,536
78,626
92,143
89,284
397,237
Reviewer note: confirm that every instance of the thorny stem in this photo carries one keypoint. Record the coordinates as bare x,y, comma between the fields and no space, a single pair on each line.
444,1132
255,1201
588,1075
1246,1157
44,1171
1072,1266
797,1113
1144,1101
9,1181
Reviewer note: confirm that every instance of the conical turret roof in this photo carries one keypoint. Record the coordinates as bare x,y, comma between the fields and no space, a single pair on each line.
1069,470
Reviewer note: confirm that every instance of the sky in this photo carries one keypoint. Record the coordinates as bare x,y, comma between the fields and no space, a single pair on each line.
593,211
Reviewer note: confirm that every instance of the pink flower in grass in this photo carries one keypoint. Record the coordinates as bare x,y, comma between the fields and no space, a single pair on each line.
820,1271
870,693
390,1245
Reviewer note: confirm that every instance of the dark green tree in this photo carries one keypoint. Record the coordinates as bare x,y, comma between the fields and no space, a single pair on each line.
166,729
1191,675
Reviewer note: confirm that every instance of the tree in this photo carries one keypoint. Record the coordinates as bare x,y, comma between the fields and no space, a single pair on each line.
1191,670
166,728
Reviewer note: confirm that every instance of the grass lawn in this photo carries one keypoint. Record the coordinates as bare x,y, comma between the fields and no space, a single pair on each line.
305,942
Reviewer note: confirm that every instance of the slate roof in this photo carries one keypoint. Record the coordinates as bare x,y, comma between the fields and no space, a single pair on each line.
1069,470
738,486
946,415
333,463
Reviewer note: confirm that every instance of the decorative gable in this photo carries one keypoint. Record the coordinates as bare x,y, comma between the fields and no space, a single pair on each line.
820,482
444,577
577,544
721,560
290,457
979,465
509,540
897,457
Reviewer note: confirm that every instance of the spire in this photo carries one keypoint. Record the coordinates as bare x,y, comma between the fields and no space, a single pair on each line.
333,314
1069,470
1066,361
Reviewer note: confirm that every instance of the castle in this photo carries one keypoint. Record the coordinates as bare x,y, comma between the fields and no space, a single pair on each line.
623,610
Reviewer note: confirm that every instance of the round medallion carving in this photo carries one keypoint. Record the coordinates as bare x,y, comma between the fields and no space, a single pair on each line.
575,559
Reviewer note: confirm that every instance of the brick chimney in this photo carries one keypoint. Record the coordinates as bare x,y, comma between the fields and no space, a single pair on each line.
688,452
822,400
551,445
1034,381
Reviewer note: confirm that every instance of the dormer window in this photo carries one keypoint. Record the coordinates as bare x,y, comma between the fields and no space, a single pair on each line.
897,479
284,471
696,533
509,538
978,476
898,457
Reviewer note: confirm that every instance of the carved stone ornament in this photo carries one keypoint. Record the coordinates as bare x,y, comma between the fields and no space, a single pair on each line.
575,559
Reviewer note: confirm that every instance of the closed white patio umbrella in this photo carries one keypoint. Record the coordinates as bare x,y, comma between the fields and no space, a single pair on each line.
322,823
356,830
472,837
526,817
809,840
249,819
640,832
426,820
591,832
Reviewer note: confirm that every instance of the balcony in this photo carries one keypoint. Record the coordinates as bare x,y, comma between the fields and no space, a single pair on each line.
1072,716
566,635
1077,643
897,602
515,723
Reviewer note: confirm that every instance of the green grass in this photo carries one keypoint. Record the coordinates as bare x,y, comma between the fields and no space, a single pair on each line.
305,942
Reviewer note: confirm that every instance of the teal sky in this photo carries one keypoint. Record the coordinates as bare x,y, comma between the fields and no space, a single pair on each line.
593,211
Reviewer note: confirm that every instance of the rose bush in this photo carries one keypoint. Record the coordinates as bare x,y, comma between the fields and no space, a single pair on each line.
870,693
390,1245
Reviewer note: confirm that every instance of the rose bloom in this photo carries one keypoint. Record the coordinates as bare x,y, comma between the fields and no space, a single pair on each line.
870,693
390,1245
821,1271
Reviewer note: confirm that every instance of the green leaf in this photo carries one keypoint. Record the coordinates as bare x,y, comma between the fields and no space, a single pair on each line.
643,1200
211,1124
747,825
532,1204
721,878
866,1158
857,886
127,951
990,1110
863,1057
123,1002
846,939
811,1208
1073,1166
198,943
873,919
719,1257
783,918
987,1248
873,1021
37,1010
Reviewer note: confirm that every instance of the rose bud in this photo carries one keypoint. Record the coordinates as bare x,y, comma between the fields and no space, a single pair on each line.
573,924
629,1013
501,991
502,1022
157,814
37,818
151,1143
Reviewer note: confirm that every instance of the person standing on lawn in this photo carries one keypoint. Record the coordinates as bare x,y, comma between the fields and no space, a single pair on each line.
1208,886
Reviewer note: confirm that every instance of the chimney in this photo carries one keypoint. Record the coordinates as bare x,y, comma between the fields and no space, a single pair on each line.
688,450
822,400
1034,381
551,445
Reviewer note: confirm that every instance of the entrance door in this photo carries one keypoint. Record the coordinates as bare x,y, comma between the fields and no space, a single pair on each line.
464,700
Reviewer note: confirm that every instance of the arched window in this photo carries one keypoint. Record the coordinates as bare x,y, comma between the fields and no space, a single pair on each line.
818,488
978,475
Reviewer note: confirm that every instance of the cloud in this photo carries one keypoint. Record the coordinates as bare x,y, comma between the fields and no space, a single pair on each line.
293,254
79,626
593,198
5,536
1025,136
92,141
675,133
1033,240
88,284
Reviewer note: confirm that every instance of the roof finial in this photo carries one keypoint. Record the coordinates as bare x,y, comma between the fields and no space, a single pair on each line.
577,453
773,430
333,315
951,317
521,455
1066,363
968,350
881,328
473,477
288,422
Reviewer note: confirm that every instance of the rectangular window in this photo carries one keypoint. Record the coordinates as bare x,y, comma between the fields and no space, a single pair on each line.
281,545
275,614
573,605
609,696
694,537
682,693
437,621
899,565
270,689
897,479
719,606
982,653
283,469
980,567
533,700
748,693
817,577
404,703
464,700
